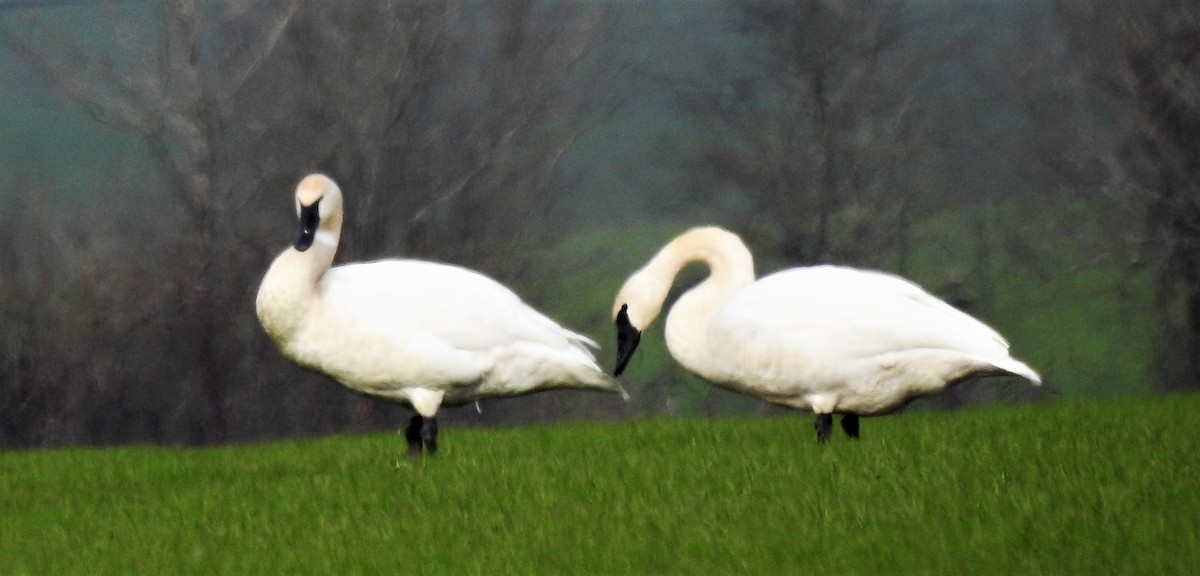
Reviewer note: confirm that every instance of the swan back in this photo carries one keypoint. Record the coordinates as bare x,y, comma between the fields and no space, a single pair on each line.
873,311
380,325
863,341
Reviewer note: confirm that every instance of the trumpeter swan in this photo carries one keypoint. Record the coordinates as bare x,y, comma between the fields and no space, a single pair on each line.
418,333
831,339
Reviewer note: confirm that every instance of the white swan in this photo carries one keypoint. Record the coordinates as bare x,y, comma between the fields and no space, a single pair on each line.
826,338
419,333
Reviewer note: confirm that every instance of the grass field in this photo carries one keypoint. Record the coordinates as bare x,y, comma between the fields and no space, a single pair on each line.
1099,487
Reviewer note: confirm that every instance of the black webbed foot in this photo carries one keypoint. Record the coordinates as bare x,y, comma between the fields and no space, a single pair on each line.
429,435
824,427
412,434
850,425
421,434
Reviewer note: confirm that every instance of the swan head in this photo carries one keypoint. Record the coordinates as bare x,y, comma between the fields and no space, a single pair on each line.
638,303
641,299
319,209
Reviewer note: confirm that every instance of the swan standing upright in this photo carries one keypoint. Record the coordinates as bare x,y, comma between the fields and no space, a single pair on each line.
419,333
831,339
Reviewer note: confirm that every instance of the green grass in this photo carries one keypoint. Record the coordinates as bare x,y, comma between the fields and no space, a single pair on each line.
1106,487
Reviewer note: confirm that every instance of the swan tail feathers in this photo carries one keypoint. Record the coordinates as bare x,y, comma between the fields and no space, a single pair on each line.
1018,368
594,378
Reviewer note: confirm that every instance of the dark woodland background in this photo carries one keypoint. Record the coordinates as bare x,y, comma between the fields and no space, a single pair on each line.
1036,163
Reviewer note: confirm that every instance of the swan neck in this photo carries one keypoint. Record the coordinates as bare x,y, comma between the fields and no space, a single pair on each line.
731,267
291,285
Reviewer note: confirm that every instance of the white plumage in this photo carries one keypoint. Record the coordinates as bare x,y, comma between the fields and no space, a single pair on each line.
419,333
826,338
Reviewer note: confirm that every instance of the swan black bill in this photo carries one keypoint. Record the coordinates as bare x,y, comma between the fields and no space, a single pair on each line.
628,338
310,218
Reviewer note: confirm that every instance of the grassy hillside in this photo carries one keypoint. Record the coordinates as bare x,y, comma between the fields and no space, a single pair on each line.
1099,487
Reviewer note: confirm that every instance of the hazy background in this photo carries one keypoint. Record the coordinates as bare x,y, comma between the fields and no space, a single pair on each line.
1036,163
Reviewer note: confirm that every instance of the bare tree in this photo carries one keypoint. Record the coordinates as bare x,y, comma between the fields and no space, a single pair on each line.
1141,62
176,93
815,123
75,325
444,121
449,117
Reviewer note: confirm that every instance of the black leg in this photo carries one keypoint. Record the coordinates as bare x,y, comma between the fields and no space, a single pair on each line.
429,435
850,425
824,426
413,433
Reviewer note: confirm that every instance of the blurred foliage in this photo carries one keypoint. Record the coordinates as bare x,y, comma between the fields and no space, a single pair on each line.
1139,62
978,148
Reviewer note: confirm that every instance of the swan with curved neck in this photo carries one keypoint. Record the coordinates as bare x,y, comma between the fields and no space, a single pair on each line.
419,333
830,339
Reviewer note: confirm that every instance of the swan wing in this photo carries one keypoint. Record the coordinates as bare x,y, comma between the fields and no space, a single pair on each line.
813,325
460,308
390,326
